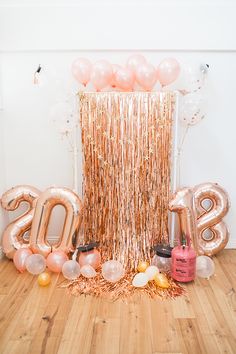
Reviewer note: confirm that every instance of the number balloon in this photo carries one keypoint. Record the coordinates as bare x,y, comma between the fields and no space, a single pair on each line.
182,204
46,202
196,219
211,219
13,235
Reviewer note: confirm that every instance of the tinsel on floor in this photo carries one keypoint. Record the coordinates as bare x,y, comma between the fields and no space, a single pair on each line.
123,289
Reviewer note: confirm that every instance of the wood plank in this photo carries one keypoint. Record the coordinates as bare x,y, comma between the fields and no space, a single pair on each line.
49,320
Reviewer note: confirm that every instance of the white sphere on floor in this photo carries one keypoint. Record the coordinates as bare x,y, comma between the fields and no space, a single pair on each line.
205,267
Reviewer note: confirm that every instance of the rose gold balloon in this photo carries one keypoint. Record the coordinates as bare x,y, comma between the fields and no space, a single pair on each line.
12,238
182,204
115,68
101,74
47,201
134,61
55,261
124,79
146,76
81,70
211,218
168,71
20,257
92,258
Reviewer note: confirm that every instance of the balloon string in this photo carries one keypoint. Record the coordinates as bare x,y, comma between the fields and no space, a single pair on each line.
180,149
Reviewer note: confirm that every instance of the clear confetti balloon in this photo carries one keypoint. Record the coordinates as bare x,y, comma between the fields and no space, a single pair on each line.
35,264
192,109
71,270
112,271
205,267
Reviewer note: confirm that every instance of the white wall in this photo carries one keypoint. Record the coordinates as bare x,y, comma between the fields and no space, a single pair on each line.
193,32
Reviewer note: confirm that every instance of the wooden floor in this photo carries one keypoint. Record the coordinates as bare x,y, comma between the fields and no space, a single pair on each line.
48,320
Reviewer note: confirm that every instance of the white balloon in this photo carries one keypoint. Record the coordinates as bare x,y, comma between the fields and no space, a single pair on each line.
140,280
205,267
88,271
151,271
71,270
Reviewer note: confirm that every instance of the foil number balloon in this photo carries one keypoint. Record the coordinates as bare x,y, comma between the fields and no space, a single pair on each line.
196,219
46,202
13,235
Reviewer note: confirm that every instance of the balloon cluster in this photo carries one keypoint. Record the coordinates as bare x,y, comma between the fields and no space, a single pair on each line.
149,273
137,71
57,261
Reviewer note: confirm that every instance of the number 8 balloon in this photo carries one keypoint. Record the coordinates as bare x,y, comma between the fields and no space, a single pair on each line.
211,218
195,219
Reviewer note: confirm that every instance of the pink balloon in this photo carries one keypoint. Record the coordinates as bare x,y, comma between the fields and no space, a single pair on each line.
124,79
101,74
20,257
134,61
115,68
55,261
168,71
146,76
92,257
81,70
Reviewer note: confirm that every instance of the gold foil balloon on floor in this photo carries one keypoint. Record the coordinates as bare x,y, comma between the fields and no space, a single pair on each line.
161,281
47,201
142,266
44,279
13,235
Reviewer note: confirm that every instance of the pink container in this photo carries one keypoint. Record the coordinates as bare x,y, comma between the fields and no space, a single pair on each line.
183,267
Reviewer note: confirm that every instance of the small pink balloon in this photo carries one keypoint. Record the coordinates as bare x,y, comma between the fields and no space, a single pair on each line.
146,76
168,71
101,74
115,67
81,70
124,79
134,61
20,257
55,261
92,257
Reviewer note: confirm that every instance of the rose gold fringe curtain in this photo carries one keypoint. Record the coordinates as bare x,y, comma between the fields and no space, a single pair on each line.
126,140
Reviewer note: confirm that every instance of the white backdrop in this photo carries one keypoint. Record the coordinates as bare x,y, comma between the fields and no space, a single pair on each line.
31,150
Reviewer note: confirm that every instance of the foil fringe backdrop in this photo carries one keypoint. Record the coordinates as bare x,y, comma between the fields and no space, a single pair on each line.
126,141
